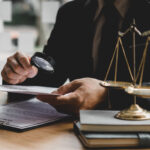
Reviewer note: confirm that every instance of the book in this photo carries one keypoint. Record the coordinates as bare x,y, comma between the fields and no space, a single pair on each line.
105,121
25,115
33,90
109,139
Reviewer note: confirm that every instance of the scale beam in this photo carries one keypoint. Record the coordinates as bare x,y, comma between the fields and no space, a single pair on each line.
134,112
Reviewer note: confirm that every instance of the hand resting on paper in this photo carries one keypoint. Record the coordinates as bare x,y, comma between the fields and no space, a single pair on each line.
85,93
18,68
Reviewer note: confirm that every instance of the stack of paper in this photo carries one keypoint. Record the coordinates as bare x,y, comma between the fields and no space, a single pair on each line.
28,114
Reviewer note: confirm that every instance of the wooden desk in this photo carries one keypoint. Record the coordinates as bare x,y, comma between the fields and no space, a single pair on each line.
58,136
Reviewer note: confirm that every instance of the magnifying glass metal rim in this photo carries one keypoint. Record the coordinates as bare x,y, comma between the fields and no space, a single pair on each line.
48,60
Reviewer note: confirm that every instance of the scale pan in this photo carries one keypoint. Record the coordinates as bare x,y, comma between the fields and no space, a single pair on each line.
143,92
115,84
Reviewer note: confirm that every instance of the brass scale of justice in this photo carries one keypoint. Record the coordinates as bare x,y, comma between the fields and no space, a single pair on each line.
134,112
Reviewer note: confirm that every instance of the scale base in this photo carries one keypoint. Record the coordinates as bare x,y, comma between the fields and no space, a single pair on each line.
134,112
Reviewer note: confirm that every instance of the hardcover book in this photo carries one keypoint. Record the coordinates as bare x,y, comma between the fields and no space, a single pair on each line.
112,140
105,121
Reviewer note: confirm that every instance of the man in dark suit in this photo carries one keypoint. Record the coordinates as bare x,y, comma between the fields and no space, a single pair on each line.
82,43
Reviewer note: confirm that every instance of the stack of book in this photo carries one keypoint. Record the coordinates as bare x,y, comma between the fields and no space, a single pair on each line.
100,129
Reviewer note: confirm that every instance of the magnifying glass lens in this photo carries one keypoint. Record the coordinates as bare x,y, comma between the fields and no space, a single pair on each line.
43,62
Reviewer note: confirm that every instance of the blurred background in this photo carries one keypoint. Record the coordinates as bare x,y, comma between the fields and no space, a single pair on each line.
25,25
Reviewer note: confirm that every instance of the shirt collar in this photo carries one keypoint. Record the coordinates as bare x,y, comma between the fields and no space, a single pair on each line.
121,5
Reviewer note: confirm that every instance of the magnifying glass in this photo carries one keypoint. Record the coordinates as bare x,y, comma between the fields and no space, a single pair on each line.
43,62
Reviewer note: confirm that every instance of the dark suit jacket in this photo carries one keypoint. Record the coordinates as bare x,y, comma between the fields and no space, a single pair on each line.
70,44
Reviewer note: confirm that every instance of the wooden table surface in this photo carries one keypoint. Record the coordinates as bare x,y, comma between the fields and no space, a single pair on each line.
57,136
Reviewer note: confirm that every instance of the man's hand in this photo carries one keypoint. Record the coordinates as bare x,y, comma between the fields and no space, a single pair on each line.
85,93
18,68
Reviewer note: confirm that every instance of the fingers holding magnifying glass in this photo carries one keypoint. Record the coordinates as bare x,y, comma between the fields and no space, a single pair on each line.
18,68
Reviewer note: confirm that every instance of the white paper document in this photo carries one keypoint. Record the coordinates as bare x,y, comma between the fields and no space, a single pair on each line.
28,114
33,90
